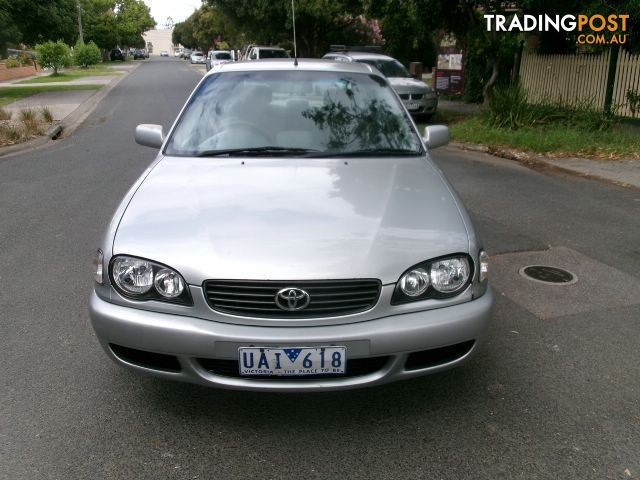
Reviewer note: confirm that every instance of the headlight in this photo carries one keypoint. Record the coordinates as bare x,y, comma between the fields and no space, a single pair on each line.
450,274
132,275
168,283
141,279
415,282
439,278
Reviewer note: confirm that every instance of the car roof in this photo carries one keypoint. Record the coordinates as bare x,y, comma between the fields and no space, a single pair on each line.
274,47
362,55
304,64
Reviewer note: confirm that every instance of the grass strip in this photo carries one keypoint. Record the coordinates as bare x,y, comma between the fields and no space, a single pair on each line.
11,94
75,74
619,142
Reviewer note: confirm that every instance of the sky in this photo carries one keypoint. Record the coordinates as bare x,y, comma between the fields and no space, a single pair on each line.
179,10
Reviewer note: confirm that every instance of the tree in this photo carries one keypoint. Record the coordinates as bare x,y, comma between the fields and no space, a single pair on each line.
183,34
53,55
111,23
99,23
133,18
210,26
319,23
408,28
8,30
39,21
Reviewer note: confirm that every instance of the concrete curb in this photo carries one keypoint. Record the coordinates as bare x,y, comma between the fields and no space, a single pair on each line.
537,162
67,125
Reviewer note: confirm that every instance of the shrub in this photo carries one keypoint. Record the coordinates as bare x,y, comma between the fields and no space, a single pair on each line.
25,60
12,63
634,101
9,134
27,115
53,55
4,115
47,115
85,54
509,108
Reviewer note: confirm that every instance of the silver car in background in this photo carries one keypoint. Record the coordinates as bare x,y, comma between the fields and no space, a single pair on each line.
418,97
292,234
198,57
217,57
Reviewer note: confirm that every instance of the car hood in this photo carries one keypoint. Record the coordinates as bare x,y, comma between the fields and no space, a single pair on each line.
291,219
408,85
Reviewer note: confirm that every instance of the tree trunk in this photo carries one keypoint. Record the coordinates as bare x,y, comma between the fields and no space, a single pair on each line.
487,91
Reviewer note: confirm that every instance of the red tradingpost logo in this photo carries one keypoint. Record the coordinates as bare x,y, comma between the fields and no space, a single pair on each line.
602,30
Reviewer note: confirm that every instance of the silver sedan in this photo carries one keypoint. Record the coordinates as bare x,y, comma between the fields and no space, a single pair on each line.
292,234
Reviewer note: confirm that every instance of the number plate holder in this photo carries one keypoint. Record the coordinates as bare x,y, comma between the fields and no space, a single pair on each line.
292,361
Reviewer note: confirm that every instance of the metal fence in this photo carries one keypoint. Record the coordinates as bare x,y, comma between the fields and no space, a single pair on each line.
584,80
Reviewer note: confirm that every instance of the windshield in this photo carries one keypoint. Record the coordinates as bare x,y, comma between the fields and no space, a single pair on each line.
273,53
305,112
222,56
389,68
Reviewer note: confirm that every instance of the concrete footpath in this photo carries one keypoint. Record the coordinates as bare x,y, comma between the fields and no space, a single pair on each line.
625,172
68,107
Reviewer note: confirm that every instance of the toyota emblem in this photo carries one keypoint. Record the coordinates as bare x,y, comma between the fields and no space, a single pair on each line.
292,299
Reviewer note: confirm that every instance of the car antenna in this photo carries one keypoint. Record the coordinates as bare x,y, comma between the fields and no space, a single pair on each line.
295,45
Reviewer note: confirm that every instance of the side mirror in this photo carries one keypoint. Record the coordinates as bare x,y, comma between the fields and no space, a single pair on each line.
436,136
149,135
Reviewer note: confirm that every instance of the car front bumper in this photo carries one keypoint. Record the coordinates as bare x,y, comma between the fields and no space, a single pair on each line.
412,344
425,105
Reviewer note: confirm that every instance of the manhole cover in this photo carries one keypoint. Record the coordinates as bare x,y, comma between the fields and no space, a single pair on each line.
548,275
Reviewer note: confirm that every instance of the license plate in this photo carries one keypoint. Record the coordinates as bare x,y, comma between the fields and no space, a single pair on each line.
413,106
292,361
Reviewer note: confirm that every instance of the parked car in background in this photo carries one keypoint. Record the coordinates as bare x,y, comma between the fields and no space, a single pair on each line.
259,52
216,57
164,53
177,52
418,97
198,57
186,53
139,53
116,54
292,234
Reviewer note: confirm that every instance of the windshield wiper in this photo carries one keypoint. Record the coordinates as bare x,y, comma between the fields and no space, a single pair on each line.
368,152
255,151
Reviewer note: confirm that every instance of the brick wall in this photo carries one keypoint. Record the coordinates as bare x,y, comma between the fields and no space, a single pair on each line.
19,72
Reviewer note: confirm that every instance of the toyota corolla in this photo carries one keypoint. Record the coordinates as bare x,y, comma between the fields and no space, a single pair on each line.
291,234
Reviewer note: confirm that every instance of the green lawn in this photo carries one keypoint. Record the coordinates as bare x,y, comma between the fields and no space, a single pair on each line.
74,74
11,94
620,142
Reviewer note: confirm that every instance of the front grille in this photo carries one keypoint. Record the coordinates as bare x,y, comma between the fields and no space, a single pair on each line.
416,96
405,96
355,368
256,298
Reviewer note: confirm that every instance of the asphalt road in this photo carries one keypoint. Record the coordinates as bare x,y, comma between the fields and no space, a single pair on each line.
554,394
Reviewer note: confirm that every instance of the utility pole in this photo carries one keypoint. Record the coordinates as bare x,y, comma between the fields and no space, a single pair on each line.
80,21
